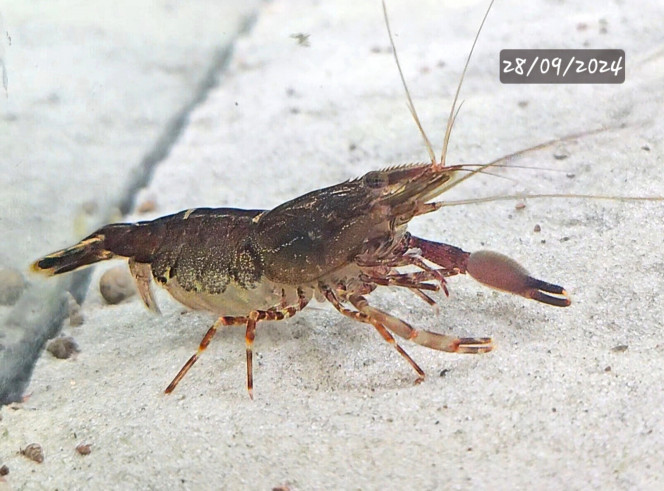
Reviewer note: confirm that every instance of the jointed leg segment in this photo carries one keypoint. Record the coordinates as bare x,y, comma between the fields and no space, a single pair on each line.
222,321
417,279
430,339
384,323
361,317
250,321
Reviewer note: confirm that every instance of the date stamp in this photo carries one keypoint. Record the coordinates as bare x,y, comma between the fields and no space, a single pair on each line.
562,66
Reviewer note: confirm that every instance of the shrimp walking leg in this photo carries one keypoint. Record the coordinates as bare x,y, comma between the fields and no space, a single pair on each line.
437,341
250,321
362,317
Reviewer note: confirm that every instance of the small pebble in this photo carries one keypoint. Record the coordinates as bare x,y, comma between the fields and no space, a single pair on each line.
76,318
75,315
84,448
63,347
520,205
116,285
537,228
4,470
34,452
12,285
147,206
620,348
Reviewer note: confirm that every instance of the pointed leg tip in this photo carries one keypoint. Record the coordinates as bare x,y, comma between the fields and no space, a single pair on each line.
174,383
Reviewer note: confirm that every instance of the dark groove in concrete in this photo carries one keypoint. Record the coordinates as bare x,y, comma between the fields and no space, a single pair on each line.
174,128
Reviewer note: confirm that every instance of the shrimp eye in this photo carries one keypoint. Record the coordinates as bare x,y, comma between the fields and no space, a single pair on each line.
376,179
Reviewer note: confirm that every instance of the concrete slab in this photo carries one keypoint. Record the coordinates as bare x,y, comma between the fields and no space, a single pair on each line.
560,403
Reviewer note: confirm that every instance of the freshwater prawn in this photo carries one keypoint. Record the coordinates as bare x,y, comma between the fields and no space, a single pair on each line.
337,244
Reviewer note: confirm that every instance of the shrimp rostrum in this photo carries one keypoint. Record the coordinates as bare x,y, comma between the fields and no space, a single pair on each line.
336,244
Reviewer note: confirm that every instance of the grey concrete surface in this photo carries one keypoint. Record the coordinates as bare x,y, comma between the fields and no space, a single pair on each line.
96,94
560,403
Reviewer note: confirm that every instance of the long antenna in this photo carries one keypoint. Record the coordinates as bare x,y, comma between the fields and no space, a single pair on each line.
512,197
411,106
452,116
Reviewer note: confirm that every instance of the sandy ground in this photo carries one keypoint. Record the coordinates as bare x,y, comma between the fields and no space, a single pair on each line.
570,398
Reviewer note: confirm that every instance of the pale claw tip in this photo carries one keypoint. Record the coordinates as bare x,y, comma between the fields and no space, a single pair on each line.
474,345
